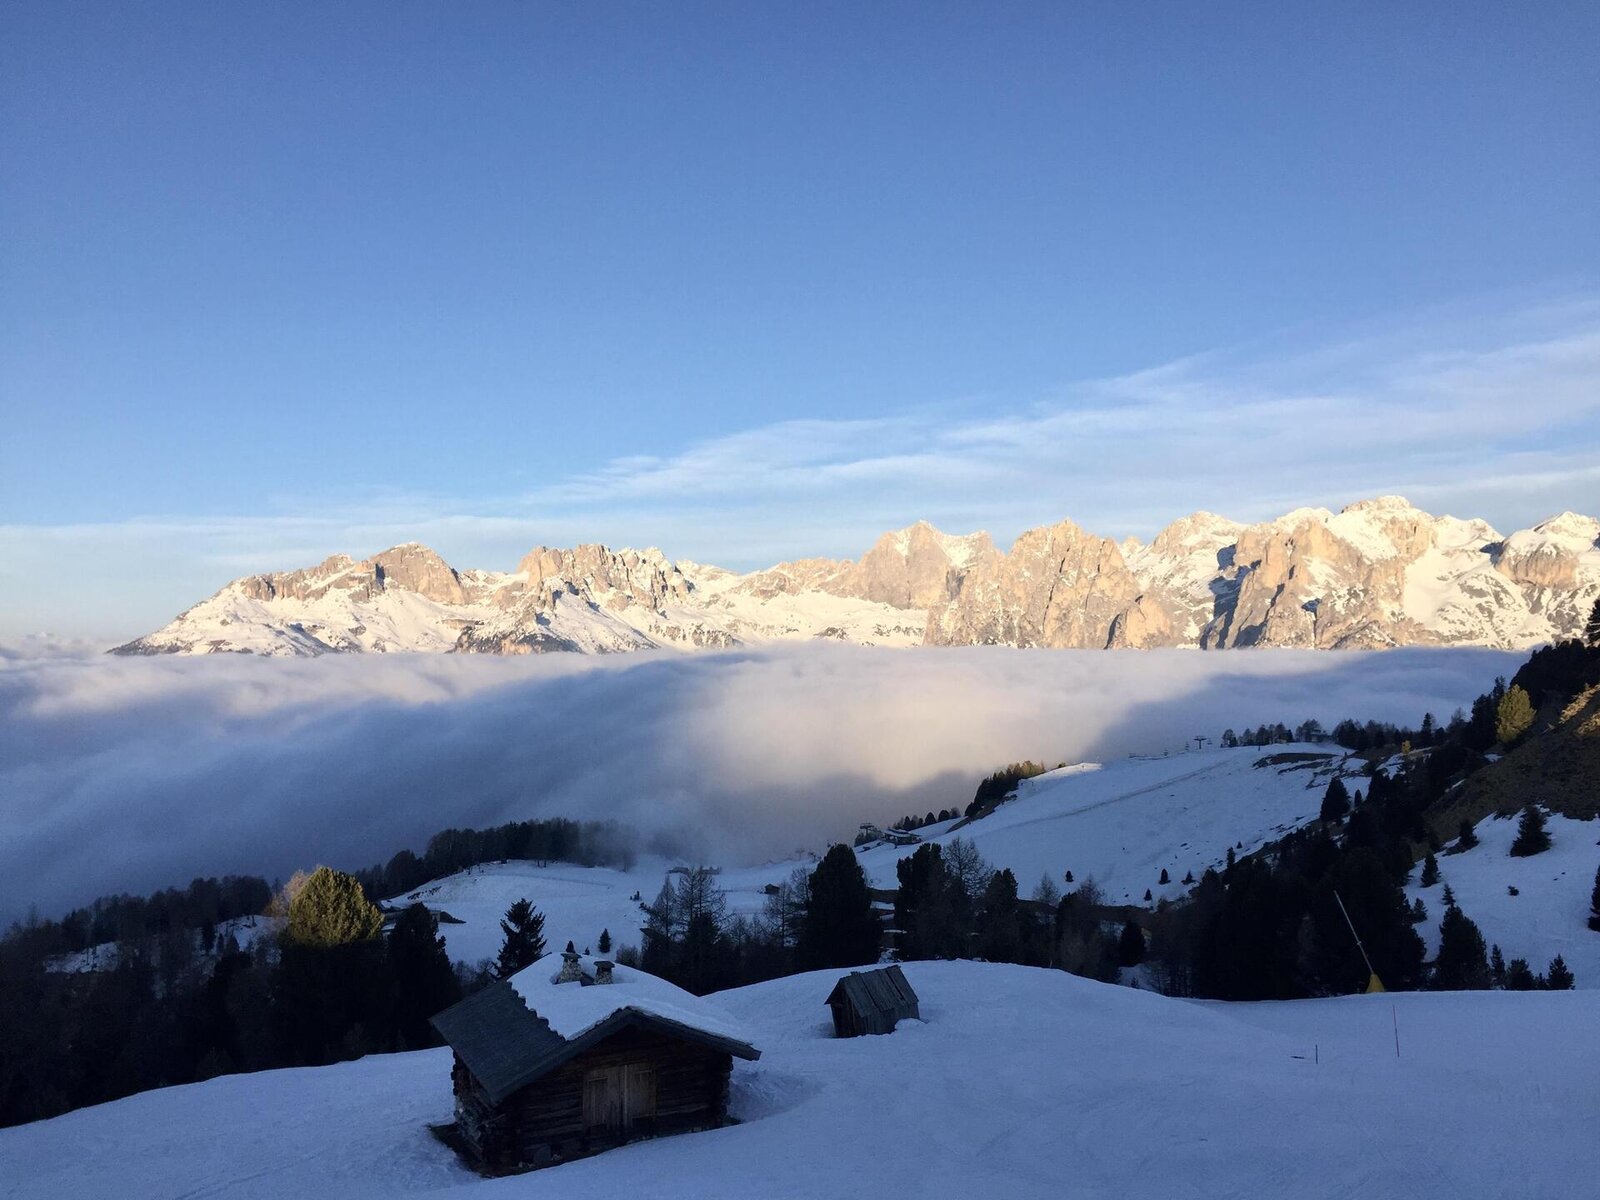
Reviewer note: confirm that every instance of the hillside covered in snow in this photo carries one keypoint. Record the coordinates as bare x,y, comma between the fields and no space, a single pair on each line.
1017,1082
1378,573
1120,823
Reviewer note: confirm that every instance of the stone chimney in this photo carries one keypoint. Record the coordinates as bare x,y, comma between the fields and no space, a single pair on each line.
602,971
571,969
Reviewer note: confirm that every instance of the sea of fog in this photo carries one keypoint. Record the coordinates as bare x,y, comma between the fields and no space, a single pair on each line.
134,774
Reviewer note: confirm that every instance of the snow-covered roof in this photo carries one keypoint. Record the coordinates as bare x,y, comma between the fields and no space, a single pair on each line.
572,1009
517,1030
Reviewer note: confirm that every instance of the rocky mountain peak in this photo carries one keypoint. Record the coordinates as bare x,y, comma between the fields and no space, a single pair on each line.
416,568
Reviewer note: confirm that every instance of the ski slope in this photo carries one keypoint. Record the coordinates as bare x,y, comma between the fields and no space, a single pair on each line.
1018,1083
1548,916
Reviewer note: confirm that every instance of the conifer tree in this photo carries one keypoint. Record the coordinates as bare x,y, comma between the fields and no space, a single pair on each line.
332,910
1497,965
1130,946
605,941
331,989
1000,928
1532,836
1559,977
839,928
1463,963
1519,976
523,928
1466,836
1147,896
1165,878
1594,903
1069,878
1046,892
1335,801
1513,716
1430,871
1449,897
1591,629
1419,912
425,983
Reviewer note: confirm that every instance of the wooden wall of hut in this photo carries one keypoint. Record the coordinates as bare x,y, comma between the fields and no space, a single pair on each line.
639,1083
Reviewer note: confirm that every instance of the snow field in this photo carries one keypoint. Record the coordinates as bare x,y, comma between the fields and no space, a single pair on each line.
1550,913
1019,1082
1120,822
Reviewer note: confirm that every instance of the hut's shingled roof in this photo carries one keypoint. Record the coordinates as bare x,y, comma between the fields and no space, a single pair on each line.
507,1045
885,990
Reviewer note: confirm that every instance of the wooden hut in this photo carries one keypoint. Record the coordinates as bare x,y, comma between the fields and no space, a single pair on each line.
871,1002
574,1055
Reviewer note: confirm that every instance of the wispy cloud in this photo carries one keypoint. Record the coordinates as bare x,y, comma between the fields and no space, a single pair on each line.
1482,413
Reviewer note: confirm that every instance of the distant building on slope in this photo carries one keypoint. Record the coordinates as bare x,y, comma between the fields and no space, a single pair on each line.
574,1055
871,1002
870,832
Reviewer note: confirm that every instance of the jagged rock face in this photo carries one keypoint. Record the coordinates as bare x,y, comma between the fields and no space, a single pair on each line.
1181,575
1547,555
1319,580
918,567
616,578
338,571
794,578
912,568
1379,573
418,569
1143,625
1058,587
412,567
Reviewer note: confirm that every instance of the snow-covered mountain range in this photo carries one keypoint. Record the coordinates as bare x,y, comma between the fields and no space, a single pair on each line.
1378,573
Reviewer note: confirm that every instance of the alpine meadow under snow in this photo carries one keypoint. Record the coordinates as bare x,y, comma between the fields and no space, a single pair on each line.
1016,1082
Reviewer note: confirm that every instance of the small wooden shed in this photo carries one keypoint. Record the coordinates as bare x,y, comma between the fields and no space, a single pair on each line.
871,1002
574,1055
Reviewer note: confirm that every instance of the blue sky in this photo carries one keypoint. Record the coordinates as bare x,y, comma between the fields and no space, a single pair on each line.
750,281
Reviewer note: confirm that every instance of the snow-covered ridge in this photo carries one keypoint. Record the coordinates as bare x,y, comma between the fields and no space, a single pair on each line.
1378,573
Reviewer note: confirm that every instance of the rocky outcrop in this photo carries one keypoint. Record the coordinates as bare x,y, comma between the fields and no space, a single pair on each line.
418,569
1058,587
913,568
1378,573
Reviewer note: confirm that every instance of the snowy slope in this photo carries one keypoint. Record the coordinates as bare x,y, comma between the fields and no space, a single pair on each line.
577,903
1123,822
1017,1083
1119,822
1550,913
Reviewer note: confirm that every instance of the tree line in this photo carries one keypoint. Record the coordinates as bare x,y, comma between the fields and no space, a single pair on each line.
218,977
319,983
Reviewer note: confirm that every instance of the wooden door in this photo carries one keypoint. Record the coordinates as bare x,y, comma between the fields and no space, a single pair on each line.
638,1093
602,1098
614,1098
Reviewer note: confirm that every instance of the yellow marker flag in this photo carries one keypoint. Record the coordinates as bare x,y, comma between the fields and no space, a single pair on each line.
1374,984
